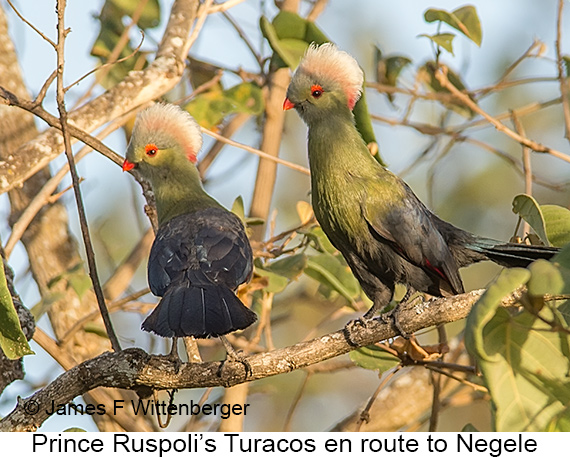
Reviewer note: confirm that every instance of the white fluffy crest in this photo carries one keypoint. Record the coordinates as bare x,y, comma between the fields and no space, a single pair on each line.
327,62
172,120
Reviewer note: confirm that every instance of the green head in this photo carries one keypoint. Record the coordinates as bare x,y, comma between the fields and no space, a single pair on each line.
163,147
326,81
165,138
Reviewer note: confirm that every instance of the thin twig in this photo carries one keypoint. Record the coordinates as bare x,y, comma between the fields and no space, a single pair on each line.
499,84
527,167
563,80
44,195
476,387
365,414
221,7
441,76
228,130
43,91
112,59
295,402
316,10
103,67
61,34
113,306
203,11
256,152
243,36
38,31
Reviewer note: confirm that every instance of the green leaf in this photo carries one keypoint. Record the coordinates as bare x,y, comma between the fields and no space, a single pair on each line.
150,16
43,306
469,428
444,40
289,53
80,283
211,108
364,124
523,362
332,273
276,282
388,69
557,223
12,340
529,209
238,208
428,73
563,257
112,27
321,241
314,35
469,23
95,329
548,278
289,25
289,35
203,72
485,308
464,19
374,358
290,267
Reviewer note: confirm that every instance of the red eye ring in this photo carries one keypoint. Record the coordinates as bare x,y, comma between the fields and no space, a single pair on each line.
151,150
316,90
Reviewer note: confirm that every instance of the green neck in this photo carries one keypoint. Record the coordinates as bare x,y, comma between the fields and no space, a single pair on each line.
336,147
178,190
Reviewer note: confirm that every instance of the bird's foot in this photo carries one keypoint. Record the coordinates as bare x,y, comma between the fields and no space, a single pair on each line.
173,356
234,356
354,326
397,323
409,302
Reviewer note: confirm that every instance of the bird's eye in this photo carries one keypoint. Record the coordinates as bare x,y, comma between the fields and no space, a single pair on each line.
151,150
316,91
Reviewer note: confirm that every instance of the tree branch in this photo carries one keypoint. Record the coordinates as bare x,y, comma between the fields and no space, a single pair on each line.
441,76
137,88
136,370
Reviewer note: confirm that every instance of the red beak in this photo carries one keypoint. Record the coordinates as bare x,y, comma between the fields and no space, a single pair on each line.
128,166
288,104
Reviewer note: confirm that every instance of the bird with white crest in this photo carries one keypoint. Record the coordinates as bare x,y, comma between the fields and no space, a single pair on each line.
201,252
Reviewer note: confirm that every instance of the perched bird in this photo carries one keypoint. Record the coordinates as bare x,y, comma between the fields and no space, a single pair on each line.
385,233
201,253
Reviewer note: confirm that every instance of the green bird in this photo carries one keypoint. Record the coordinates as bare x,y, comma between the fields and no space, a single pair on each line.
201,253
385,233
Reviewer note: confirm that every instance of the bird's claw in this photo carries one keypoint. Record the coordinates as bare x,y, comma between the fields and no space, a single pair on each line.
352,326
234,356
395,319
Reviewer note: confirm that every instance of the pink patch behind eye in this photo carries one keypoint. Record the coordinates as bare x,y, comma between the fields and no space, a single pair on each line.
352,101
191,156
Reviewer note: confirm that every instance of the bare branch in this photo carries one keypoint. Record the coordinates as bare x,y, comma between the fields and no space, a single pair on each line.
136,370
257,152
137,88
563,80
441,75
89,251
34,28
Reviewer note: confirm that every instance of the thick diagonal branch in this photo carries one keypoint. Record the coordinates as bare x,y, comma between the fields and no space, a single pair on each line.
137,88
134,369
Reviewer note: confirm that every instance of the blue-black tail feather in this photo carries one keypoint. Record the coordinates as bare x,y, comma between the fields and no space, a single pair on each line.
513,254
198,311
